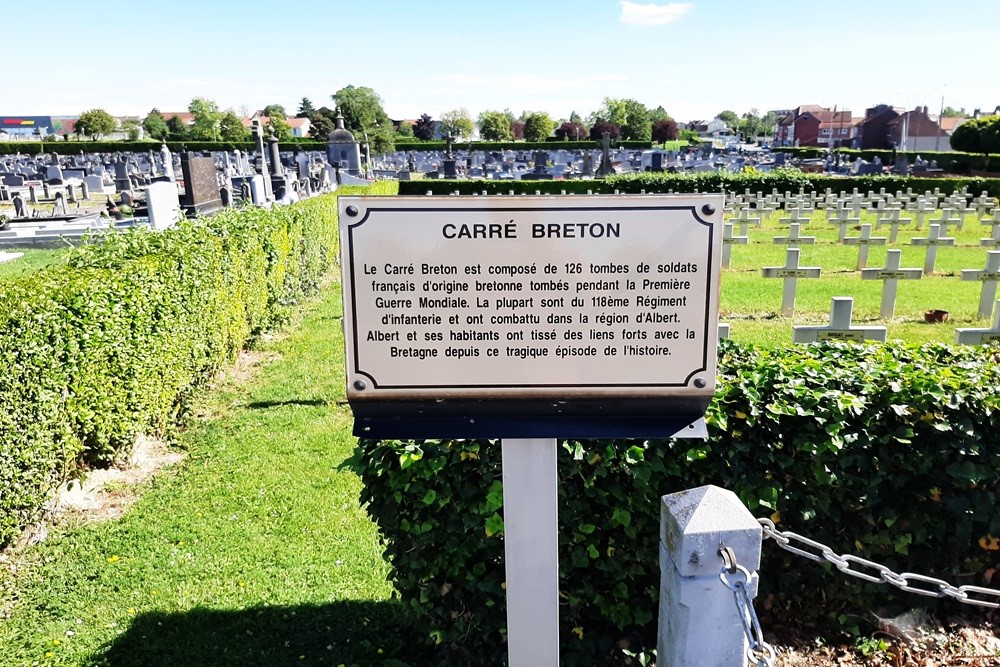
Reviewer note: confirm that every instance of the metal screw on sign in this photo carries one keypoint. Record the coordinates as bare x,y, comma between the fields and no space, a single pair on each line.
708,209
353,210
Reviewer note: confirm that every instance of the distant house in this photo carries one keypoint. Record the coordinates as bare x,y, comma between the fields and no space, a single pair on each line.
917,131
873,130
711,129
813,125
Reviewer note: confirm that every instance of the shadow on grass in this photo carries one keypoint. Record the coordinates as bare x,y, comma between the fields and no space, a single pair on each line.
308,402
338,633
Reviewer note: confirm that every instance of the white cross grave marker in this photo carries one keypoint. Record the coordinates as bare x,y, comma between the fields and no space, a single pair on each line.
950,216
994,240
790,272
892,218
989,278
840,328
842,217
728,240
793,237
863,242
932,241
889,276
980,336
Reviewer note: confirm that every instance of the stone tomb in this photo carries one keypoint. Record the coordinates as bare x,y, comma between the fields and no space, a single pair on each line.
201,185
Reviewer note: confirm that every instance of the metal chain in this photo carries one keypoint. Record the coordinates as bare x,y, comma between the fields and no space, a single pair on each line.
759,652
855,566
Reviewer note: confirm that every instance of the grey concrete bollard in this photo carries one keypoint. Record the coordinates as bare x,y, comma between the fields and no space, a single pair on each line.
699,622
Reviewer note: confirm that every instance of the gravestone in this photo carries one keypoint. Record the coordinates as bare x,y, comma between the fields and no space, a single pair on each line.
728,240
840,327
794,238
932,241
989,277
201,185
163,204
965,336
790,273
889,277
864,241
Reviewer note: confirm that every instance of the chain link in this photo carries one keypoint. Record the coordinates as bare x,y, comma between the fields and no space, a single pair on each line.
735,577
910,582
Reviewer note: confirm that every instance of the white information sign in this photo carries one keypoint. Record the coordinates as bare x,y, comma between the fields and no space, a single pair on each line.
564,296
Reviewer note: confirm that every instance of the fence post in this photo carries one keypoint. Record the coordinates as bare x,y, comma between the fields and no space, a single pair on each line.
699,623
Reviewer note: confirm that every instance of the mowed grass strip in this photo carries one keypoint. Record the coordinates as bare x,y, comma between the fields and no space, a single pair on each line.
252,551
32,260
751,303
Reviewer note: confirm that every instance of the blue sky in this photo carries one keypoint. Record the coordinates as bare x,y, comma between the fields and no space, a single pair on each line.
694,58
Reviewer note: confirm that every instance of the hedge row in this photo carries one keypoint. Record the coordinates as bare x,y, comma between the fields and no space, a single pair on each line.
890,452
113,343
526,146
144,146
951,161
790,180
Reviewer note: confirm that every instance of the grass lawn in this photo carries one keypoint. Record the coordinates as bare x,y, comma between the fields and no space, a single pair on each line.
32,260
252,551
751,303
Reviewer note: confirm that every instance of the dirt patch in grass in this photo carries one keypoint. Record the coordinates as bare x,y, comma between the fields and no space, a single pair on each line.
107,494
248,363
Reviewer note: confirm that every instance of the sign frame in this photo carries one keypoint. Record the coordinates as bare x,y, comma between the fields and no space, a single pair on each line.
538,406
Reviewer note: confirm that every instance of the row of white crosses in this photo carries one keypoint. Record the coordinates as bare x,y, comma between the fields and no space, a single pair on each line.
841,327
953,207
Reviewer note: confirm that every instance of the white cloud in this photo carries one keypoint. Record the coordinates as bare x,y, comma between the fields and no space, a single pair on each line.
643,15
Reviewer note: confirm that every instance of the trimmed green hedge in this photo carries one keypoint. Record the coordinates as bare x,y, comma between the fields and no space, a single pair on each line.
661,182
525,146
890,452
113,343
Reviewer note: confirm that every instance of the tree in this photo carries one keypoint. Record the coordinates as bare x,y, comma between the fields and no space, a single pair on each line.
132,127
572,131
363,115
279,125
752,125
95,123
405,130
601,126
689,136
155,126
951,112
516,130
231,127
176,129
494,126
730,118
981,135
274,110
538,126
574,117
664,130
423,129
206,119
322,123
457,123
659,113
630,116
306,109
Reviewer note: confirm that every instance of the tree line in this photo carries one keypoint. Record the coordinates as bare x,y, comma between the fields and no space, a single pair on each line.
364,115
